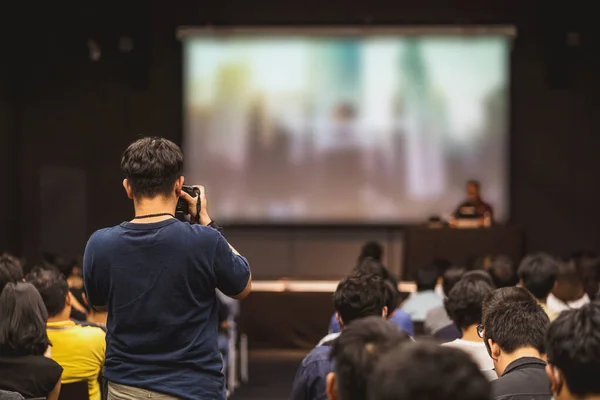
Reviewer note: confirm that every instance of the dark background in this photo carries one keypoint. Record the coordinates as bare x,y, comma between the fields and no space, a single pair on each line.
65,120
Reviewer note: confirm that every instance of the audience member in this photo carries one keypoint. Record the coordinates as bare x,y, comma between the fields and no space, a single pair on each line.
24,368
371,250
10,270
569,291
355,353
537,273
437,318
418,304
425,371
513,327
464,308
357,296
573,347
502,271
78,349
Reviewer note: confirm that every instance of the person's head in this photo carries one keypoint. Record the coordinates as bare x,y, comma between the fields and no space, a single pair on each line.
573,348
569,285
372,266
23,321
54,291
537,273
588,268
356,352
464,301
359,295
513,323
10,270
481,276
451,277
426,277
473,191
371,250
502,271
152,168
427,371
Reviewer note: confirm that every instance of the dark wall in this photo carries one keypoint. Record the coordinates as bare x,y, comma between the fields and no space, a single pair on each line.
64,120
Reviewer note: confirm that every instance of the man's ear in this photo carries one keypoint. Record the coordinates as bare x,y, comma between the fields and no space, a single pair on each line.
384,312
339,320
494,350
521,283
68,300
555,379
179,184
127,188
330,387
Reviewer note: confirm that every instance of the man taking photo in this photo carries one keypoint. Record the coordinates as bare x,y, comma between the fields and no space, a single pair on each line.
156,277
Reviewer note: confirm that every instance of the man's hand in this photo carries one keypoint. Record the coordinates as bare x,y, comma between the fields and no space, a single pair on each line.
192,201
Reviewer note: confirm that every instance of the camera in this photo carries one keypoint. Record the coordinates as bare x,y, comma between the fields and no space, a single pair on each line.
182,206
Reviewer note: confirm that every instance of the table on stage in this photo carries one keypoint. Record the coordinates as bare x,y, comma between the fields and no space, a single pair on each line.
460,246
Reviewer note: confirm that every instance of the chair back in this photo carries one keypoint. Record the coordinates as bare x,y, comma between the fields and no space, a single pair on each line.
74,391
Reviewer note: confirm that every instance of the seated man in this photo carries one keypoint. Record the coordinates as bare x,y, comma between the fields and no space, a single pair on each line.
78,349
418,304
356,352
437,318
514,326
573,347
502,271
426,371
537,273
569,291
357,296
464,308
10,270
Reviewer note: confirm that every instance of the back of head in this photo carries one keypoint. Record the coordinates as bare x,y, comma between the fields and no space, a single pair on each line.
357,351
538,274
23,322
588,269
573,346
372,266
479,275
513,319
464,301
371,250
359,295
426,277
53,288
502,271
152,165
451,277
427,371
10,270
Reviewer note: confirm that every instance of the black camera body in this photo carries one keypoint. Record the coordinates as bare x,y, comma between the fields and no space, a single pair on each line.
182,206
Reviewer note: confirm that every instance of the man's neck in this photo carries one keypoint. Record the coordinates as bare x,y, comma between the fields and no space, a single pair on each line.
470,334
154,205
64,315
507,359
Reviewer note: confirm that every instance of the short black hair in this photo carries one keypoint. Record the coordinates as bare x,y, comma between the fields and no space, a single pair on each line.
359,295
427,371
371,266
23,322
152,165
10,270
371,250
513,319
426,277
356,352
480,275
52,287
502,271
573,346
474,182
538,273
464,301
451,277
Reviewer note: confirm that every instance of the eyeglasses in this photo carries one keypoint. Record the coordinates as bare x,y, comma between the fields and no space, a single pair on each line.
480,331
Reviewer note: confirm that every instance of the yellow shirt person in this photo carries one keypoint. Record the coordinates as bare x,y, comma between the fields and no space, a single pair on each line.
80,351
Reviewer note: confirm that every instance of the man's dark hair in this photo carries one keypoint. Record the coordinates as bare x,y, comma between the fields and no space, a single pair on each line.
538,273
152,165
502,271
426,277
573,345
371,250
427,371
10,270
356,352
451,277
23,322
359,295
513,319
474,182
480,276
464,301
52,287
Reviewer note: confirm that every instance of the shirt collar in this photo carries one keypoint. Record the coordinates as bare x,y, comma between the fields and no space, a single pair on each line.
60,325
525,362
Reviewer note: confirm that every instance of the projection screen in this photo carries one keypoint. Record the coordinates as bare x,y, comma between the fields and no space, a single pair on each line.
329,127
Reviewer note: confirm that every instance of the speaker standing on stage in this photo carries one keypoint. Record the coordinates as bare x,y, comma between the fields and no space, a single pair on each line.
157,276
474,207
